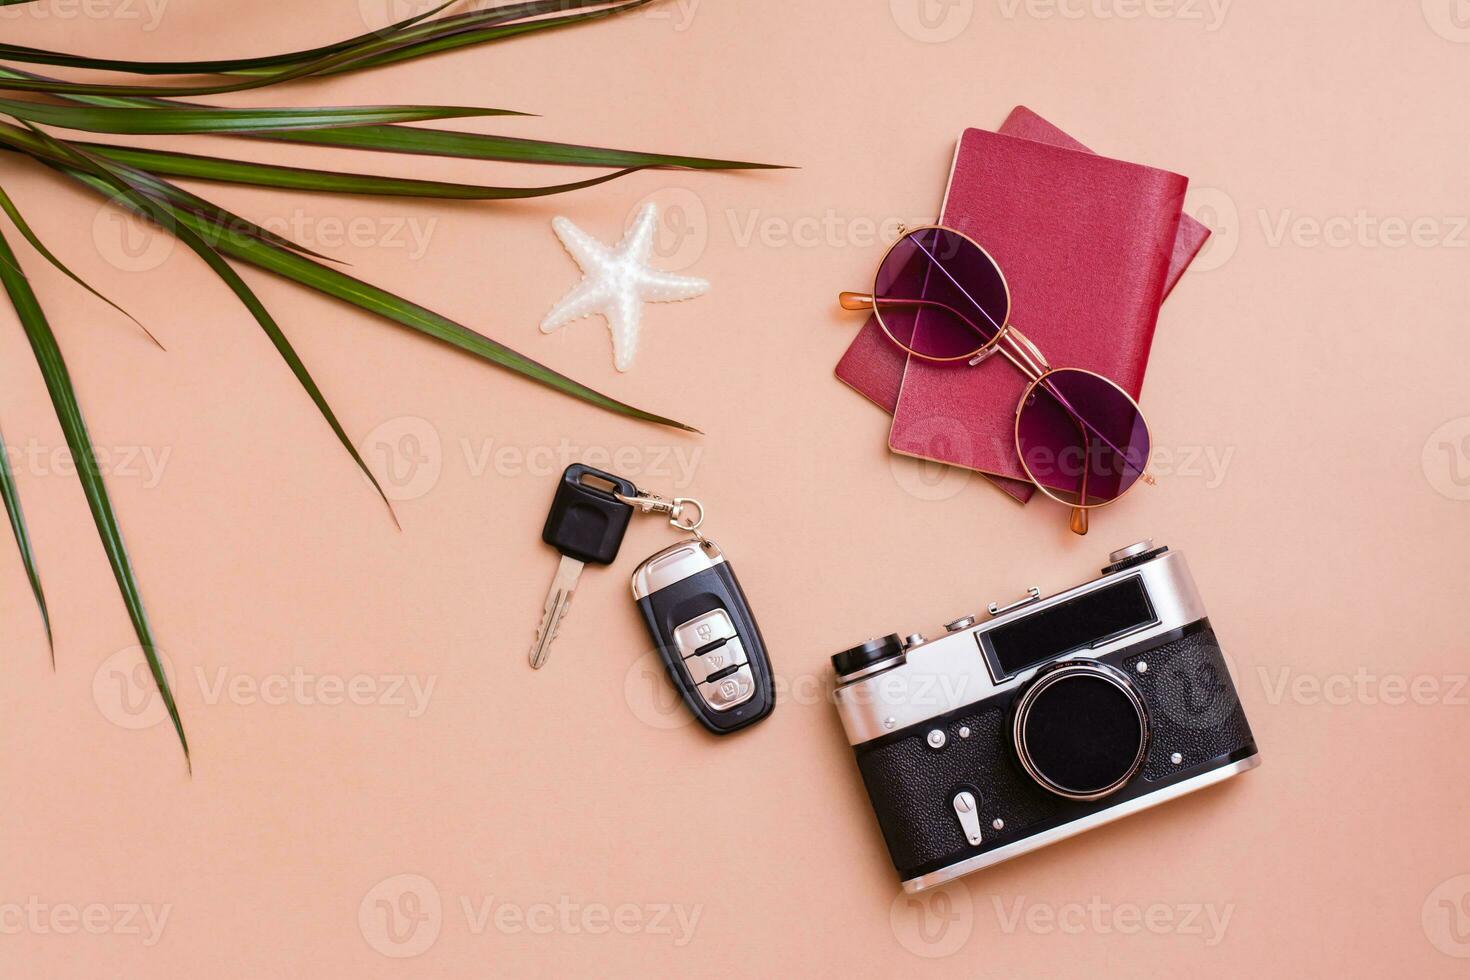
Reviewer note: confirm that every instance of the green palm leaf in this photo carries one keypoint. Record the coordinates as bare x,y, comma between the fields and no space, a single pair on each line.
74,427
164,215
167,163
368,53
19,52
210,119
21,225
23,540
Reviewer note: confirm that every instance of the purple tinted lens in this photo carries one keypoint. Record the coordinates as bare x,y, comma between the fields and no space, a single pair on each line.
940,295
1081,437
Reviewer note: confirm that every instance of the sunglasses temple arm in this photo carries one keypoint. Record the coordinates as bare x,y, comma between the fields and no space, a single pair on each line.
1079,514
862,301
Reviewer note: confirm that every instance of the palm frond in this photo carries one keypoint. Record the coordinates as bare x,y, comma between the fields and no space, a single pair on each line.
74,427
138,179
23,541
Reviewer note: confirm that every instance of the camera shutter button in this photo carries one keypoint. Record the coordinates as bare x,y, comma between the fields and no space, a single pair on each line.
963,623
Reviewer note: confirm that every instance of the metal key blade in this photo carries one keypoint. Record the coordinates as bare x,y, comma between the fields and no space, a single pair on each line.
563,586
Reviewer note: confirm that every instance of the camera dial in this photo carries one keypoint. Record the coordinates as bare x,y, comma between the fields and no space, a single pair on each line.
1081,730
867,657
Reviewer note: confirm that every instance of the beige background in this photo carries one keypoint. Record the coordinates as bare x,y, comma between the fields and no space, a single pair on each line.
1309,380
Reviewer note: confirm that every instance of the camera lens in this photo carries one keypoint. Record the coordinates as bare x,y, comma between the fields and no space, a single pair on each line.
1081,730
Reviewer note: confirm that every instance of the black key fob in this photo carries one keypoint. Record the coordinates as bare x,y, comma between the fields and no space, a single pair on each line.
704,630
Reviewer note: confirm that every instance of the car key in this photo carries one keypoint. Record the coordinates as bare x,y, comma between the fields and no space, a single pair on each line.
586,524
708,639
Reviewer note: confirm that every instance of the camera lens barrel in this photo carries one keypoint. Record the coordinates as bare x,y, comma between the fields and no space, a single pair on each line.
1081,730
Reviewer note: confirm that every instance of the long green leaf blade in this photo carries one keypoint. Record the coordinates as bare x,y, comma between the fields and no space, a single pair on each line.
400,46
23,541
483,146
21,225
448,143
169,219
472,35
69,413
168,163
212,119
17,52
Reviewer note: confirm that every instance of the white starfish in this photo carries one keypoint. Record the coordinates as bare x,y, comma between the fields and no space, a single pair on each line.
617,282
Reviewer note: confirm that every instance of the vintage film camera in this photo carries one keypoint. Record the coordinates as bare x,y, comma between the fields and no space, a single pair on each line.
1051,717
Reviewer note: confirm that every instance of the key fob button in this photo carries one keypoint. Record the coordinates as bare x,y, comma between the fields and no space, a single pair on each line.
727,692
726,655
710,628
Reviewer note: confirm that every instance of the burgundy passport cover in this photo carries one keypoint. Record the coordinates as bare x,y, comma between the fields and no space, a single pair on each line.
874,367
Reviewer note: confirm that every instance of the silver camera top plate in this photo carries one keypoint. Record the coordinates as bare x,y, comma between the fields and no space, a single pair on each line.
935,677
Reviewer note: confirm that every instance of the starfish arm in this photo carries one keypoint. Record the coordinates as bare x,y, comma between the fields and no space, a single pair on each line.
584,299
623,314
637,243
586,251
665,287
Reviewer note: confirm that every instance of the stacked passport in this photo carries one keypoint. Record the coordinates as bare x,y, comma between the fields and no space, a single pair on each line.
1090,247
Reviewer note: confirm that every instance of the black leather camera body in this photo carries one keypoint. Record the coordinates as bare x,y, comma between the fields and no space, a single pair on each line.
1051,717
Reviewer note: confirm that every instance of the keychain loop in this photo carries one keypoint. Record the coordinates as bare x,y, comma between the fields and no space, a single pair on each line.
676,509
677,515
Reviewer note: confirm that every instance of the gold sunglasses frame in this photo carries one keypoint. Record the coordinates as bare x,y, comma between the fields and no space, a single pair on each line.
1017,348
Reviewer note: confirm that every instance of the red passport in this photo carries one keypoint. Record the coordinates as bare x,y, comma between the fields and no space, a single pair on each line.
1022,188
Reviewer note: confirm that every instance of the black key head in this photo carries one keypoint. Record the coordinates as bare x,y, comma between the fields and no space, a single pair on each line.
587,522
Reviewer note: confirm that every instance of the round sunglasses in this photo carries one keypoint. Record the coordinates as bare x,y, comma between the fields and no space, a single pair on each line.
1081,439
